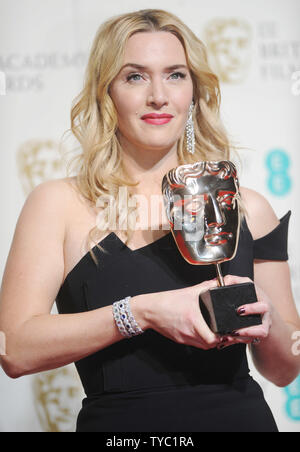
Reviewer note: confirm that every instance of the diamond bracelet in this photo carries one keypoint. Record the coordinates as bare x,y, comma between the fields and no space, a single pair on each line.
124,319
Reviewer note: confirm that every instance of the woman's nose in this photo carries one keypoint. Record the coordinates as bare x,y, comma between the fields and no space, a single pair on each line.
157,95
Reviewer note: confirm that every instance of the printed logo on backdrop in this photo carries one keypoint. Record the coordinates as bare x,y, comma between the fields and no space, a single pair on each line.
39,161
292,406
278,165
279,55
229,44
2,83
233,42
28,72
296,83
57,398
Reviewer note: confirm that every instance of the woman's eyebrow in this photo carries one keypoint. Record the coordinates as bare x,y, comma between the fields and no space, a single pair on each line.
144,68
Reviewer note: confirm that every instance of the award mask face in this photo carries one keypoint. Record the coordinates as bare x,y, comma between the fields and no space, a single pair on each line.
202,205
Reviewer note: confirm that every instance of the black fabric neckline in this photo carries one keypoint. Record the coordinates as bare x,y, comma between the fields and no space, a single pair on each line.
102,241
154,243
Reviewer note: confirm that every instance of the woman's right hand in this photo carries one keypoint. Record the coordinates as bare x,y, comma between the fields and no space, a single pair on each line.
176,315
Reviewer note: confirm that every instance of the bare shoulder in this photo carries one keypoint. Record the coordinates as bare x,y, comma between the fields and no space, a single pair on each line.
56,189
35,264
260,215
43,217
56,197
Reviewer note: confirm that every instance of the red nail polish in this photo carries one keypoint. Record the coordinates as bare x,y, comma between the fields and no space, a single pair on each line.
241,311
235,334
220,347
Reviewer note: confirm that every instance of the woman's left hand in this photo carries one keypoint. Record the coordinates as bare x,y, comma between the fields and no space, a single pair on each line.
255,334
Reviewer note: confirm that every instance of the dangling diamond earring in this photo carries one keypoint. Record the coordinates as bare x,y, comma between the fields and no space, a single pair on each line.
190,133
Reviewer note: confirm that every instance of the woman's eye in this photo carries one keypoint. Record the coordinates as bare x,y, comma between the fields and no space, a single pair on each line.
134,77
137,77
177,75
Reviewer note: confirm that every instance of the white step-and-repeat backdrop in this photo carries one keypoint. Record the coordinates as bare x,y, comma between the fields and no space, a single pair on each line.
254,47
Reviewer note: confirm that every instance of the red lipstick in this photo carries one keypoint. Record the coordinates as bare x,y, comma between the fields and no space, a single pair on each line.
157,118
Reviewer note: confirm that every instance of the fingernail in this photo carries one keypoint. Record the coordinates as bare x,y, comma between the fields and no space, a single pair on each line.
220,347
241,311
235,333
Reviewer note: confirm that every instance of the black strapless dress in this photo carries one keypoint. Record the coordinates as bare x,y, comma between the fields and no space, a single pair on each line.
149,383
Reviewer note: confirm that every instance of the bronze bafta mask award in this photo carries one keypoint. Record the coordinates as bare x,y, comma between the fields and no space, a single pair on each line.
202,202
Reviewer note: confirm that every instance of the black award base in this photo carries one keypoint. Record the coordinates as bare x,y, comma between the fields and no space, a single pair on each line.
219,307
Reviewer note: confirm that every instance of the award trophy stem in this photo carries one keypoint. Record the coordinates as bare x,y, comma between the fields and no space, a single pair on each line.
220,276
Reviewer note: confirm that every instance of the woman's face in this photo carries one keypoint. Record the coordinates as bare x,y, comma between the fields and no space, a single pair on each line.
154,80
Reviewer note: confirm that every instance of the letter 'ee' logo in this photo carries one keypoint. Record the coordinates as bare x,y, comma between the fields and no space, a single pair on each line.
278,164
292,405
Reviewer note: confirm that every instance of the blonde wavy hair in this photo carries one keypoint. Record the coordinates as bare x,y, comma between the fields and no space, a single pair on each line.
94,120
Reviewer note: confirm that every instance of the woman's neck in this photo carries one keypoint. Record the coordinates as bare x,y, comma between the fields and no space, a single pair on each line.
148,167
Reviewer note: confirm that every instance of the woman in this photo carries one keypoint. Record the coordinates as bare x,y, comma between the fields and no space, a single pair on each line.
147,74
